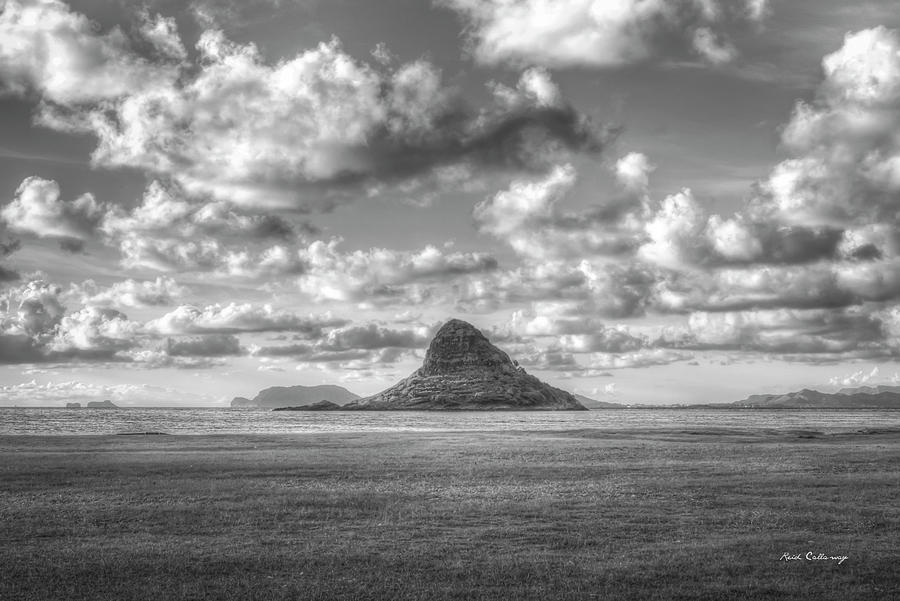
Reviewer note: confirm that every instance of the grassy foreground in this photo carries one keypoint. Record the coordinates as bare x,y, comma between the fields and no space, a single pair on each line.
577,515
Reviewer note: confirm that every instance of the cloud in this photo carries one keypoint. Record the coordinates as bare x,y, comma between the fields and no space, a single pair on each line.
93,333
37,209
236,318
130,293
382,275
57,53
164,211
782,332
613,289
601,34
534,88
317,128
681,235
527,217
373,336
210,345
606,340
359,348
633,172
845,168
549,360
239,13
32,309
169,233
34,393
162,33
573,329
159,358
165,232
600,362
35,327
857,378
352,339
8,247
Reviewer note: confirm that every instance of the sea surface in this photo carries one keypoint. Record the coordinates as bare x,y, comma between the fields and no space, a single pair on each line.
58,421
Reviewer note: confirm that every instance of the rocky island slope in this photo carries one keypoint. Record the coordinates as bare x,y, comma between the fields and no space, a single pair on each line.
463,371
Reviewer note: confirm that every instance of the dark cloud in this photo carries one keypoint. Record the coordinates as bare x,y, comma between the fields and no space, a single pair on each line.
374,337
783,332
212,345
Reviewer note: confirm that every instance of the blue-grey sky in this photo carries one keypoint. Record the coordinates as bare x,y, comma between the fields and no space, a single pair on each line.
647,201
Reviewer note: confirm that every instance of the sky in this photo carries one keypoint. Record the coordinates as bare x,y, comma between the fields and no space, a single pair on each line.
641,201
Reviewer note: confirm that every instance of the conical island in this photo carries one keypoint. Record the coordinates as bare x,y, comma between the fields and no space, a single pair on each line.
463,371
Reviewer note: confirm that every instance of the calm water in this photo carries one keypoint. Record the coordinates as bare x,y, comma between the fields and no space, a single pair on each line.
222,421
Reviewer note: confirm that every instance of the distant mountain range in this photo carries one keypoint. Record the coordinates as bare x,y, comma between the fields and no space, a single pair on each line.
866,397
295,396
595,404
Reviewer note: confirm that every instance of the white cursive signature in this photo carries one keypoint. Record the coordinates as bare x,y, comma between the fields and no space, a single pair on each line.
810,556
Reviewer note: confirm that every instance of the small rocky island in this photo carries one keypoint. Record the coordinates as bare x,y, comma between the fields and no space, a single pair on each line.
320,406
463,371
102,405
294,397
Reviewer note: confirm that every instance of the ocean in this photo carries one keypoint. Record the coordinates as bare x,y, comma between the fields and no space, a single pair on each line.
58,421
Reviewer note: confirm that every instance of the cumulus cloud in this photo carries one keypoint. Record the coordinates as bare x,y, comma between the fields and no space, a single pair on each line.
782,332
682,235
535,87
165,212
350,341
47,48
162,33
844,171
527,216
857,378
598,33
352,347
167,232
573,330
38,209
36,327
29,315
129,293
300,132
633,172
235,318
95,333
378,274
822,231
604,289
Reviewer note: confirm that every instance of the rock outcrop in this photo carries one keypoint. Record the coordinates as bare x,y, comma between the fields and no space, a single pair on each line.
463,371
73,405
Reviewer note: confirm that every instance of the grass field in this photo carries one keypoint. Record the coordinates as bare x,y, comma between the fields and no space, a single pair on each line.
575,515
